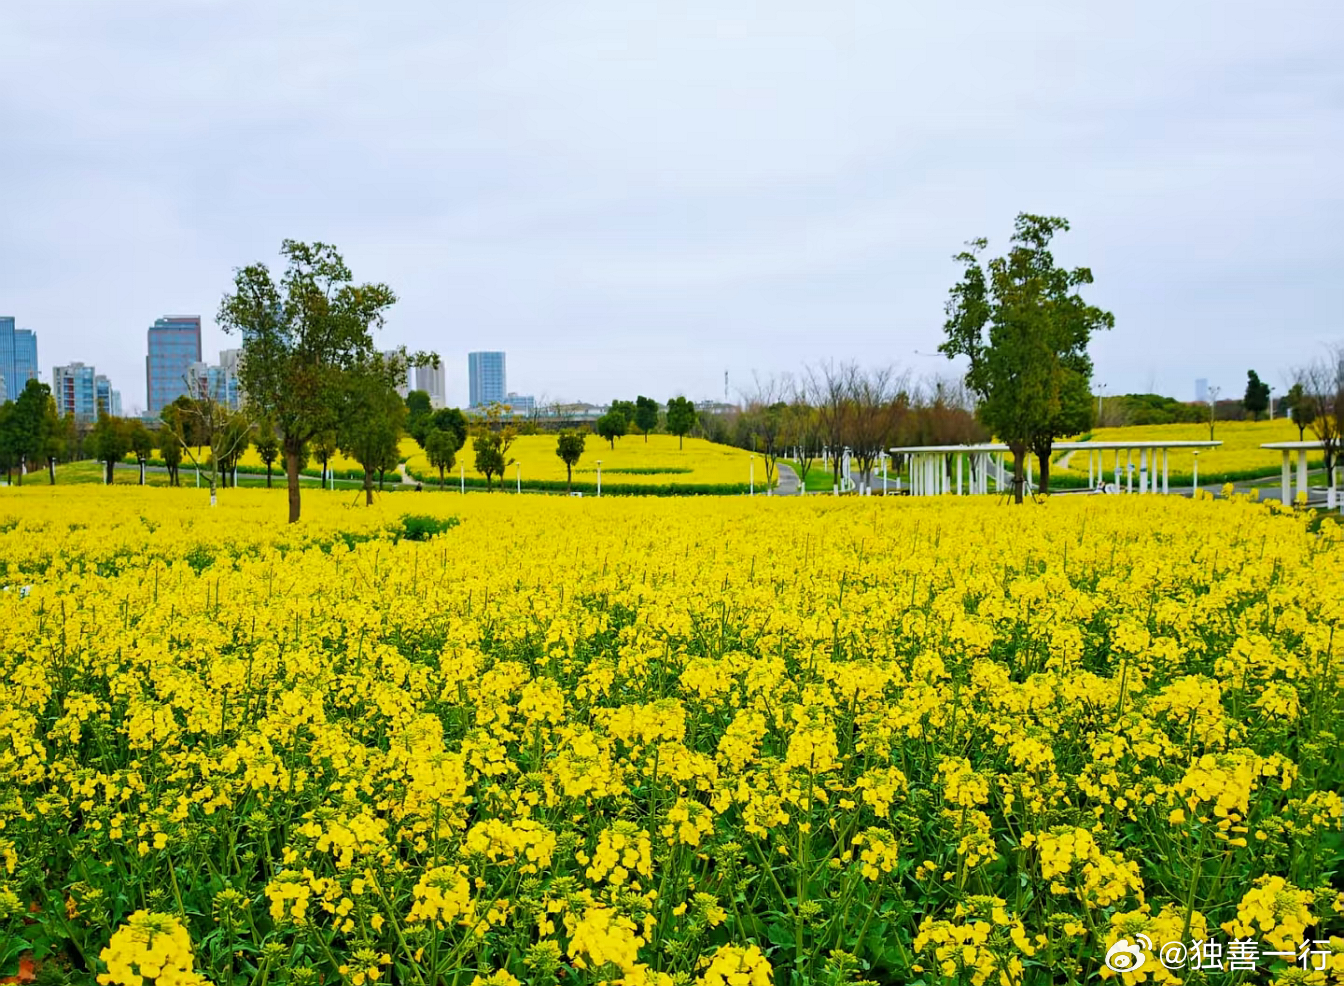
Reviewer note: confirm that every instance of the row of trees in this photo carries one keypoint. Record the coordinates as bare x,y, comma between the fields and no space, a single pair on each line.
837,407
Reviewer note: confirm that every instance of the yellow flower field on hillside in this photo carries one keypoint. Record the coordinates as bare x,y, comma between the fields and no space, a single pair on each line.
667,742
1239,456
632,463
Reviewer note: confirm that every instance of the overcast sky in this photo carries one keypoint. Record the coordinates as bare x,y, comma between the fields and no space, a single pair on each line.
632,196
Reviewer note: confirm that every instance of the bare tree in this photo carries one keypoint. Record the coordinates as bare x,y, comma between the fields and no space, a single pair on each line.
765,421
801,433
202,421
1322,383
870,418
828,393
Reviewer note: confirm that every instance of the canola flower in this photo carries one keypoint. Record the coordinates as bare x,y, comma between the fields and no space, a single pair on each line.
719,741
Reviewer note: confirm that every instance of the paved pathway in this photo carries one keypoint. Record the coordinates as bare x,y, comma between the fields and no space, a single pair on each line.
788,480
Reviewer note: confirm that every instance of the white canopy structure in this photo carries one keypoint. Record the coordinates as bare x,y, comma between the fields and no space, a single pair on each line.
1301,448
931,473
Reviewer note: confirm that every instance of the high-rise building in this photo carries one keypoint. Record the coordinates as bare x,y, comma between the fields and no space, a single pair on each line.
432,380
1201,391
107,399
218,383
174,344
18,358
485,373
75,390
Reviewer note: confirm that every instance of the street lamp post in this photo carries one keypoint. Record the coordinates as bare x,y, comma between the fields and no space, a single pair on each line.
599,477
1194,485
1101,390
462,476
752,487
518,477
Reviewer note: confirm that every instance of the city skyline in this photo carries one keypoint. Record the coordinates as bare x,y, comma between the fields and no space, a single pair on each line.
655,200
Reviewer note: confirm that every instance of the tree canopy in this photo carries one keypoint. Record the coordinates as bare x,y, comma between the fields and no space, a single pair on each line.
300,339
1024,328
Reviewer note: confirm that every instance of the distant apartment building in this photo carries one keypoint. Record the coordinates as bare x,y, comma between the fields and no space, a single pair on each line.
521,403
433,381
105,398
18,358
174,345
485,378
217,383
1201,391
74,387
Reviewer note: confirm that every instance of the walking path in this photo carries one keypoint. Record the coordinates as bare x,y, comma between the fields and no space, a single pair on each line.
788,480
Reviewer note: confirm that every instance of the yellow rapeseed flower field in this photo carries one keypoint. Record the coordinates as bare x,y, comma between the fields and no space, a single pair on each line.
632,465
645,741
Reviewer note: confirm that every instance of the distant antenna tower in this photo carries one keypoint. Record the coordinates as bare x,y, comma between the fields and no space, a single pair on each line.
725,386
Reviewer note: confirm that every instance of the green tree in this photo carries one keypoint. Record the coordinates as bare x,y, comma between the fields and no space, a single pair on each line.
301,338
453,421
171,453
372,415
9,454
55,441
1024,328
611,426
109,442
441,448
1300,409
31,418
141,443
569,446
646,415
418,413
1076,413
627,409
491,443
323,449
267,444
680,418
1256,400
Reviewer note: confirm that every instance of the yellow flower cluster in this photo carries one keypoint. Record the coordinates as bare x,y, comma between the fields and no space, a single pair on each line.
715,740
149,949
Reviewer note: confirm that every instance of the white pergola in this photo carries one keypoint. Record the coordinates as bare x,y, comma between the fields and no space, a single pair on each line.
930,474
1301,448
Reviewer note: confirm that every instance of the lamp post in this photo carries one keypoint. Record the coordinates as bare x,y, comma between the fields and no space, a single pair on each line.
1194,485
1101,390
462,476
518,477
599,477
751,488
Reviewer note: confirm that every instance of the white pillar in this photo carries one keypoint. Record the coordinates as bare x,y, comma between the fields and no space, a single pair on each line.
958,474
1143,470
1129,470
1194,482
1302,471
1117,470
1027,457
1166,486
1286,495
1091,480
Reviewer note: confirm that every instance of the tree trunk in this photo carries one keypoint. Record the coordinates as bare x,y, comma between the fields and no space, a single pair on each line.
51,470
368,487
1043,458
440,479
1019,477
381,472
292,479
268,474
142,472
569,474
